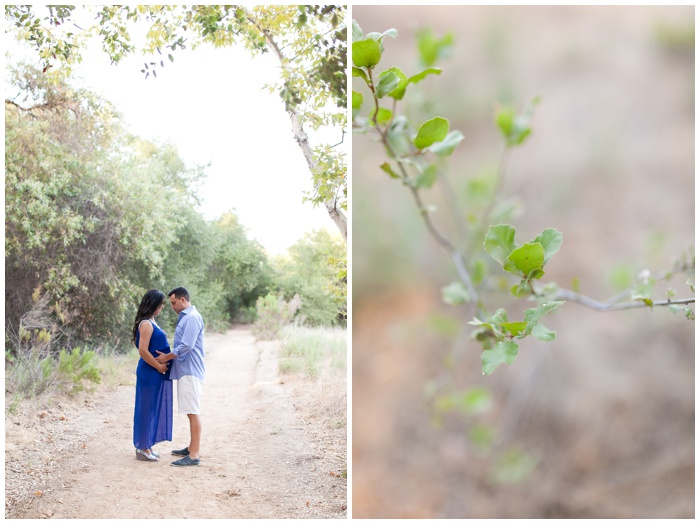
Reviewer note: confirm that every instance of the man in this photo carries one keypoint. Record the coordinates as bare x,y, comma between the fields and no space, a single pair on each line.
187,368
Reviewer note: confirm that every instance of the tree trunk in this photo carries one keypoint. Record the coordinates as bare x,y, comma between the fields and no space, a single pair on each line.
302,139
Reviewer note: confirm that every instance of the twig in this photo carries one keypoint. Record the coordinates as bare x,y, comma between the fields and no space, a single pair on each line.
566,294
456,256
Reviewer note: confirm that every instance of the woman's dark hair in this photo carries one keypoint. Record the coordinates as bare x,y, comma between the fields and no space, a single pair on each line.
149,303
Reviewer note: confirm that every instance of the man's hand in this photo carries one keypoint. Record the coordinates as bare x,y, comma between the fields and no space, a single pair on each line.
162,358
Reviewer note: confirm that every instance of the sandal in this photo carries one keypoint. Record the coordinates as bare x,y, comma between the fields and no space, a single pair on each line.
143,455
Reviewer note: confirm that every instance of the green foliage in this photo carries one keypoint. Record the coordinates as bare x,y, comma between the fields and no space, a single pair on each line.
35,372
315,270
432,48
513,466
515,128
76,366
526,261
90,210
411,159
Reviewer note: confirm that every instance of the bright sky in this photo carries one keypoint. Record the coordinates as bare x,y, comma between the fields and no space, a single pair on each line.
211,105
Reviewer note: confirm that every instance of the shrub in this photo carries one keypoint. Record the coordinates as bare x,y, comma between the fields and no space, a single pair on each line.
273,314
35,372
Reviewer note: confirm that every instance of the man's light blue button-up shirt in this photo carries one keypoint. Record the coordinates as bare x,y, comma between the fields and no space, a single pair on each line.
188,345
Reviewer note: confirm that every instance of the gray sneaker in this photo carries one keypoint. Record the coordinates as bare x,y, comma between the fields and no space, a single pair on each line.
185,461
181,452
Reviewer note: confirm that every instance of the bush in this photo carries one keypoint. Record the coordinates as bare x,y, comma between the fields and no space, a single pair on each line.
273,314
35,372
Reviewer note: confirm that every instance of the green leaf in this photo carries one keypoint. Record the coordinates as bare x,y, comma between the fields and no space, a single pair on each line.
366,53
427,177
533,315
357,72
499,242
514,328
551,241
386,167
513,467
446,146
357,33
388,81
481,436
689,313
542,333
393,33
400,89
383,115
479,271
431,131
641,298
575,285
504,352
397,137
421,76
357,99
690,283
535,274
455,294
431,48
505,116
471,401
515,128
524,259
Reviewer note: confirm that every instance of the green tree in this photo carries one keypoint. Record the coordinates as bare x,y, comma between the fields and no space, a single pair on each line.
311,270
90,212
309,41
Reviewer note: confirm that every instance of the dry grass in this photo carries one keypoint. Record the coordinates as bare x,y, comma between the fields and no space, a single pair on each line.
313,361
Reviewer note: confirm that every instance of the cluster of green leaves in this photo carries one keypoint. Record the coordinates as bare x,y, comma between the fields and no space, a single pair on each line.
415,151
526,261
404,144
34,29
497,334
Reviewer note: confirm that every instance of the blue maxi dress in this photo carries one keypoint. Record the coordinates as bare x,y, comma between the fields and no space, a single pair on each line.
153,411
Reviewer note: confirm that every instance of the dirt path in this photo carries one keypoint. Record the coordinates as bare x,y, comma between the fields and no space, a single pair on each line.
258,460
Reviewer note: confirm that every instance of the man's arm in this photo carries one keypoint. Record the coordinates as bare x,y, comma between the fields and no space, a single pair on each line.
190,332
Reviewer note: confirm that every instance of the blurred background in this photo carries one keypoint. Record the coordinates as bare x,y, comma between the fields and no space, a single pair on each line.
600,422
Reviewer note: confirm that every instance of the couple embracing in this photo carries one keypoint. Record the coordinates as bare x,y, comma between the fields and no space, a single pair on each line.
159,366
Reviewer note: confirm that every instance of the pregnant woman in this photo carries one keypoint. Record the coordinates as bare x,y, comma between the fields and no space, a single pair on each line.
153,411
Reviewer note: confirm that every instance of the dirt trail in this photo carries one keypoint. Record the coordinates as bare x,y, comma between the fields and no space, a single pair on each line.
258,460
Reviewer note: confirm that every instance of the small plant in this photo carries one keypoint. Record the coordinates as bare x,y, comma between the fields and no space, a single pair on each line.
76,366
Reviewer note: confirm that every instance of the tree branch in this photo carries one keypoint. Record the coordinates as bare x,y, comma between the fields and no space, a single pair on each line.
566,294
456,256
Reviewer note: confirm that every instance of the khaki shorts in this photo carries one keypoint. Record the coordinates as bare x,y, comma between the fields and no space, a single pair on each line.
189,391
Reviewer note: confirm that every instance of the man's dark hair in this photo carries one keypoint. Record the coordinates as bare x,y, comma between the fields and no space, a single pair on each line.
179,292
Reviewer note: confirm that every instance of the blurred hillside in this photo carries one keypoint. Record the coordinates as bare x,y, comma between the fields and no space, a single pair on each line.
605,413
